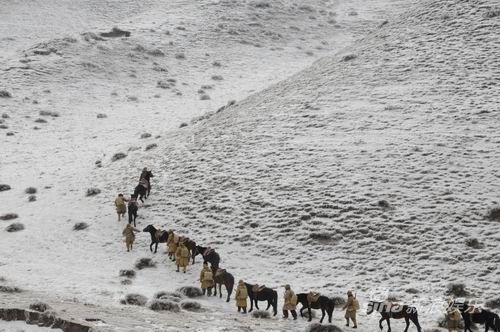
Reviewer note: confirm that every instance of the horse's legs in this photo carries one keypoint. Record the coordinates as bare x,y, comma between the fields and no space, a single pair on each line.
268,304
414,319
251,304
309,312
388,325
407,320
156,247
380,323
256,304
322,315
151,246
301,311
220,290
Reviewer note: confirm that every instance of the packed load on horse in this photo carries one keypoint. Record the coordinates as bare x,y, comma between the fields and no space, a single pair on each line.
314,300
121,207
475,314
157,236
388,310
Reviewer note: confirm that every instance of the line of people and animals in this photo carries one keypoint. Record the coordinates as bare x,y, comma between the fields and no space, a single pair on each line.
182,249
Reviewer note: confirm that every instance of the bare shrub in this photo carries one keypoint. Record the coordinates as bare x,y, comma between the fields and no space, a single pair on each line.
134,299
101,116
190,291
9,216
457,290
261,314
9,289
493,303
5,94
317,327
39,306
494,214
146,135
79,226
164,305
474,243
144,263
118,156
191,306
151,146
93,191
4,187
30,190
15,227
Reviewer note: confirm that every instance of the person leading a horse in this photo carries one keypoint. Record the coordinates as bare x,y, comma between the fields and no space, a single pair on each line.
350,309
121,207
290,303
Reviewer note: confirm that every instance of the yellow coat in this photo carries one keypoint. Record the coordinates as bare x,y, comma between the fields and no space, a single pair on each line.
182,256
290,300
241,296
172,243
206,283
121,207
128,232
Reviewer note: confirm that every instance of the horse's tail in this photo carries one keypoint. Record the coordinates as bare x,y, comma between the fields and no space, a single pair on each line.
415,321
229,285
275,302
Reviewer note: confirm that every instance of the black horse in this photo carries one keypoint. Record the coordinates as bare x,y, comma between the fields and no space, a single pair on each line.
324,303
132,209
156,237
143,189
222,277
471,315
263,294
209,255
389,310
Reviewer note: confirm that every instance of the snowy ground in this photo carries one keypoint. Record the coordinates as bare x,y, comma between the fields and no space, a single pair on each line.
284,184
23,327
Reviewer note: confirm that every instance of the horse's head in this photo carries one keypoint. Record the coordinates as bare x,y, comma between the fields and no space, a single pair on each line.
149,229
149,174
371,307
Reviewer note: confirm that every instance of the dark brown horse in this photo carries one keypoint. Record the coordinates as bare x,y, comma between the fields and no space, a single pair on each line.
222,277
191,245
396,311
324,303
157,236
471,315
262,294
209,255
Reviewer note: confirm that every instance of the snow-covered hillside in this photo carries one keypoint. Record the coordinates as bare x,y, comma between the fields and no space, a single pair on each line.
372,170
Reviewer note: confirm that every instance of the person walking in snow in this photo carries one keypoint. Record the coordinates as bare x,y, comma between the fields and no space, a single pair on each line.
172,243
453,316
241,297
207,279
182,257
290,302
121,207
350,309
129,235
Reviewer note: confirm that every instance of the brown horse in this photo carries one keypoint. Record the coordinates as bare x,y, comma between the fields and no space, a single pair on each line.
191,245
222,277
388,310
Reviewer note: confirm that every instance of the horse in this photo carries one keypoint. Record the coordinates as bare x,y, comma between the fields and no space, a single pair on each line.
324,303
388,310
264,294
132,209
143,189
222,277
147,175
209,255
154,238
470,314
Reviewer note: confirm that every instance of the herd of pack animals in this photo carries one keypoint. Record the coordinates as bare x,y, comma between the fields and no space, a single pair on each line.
469,313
